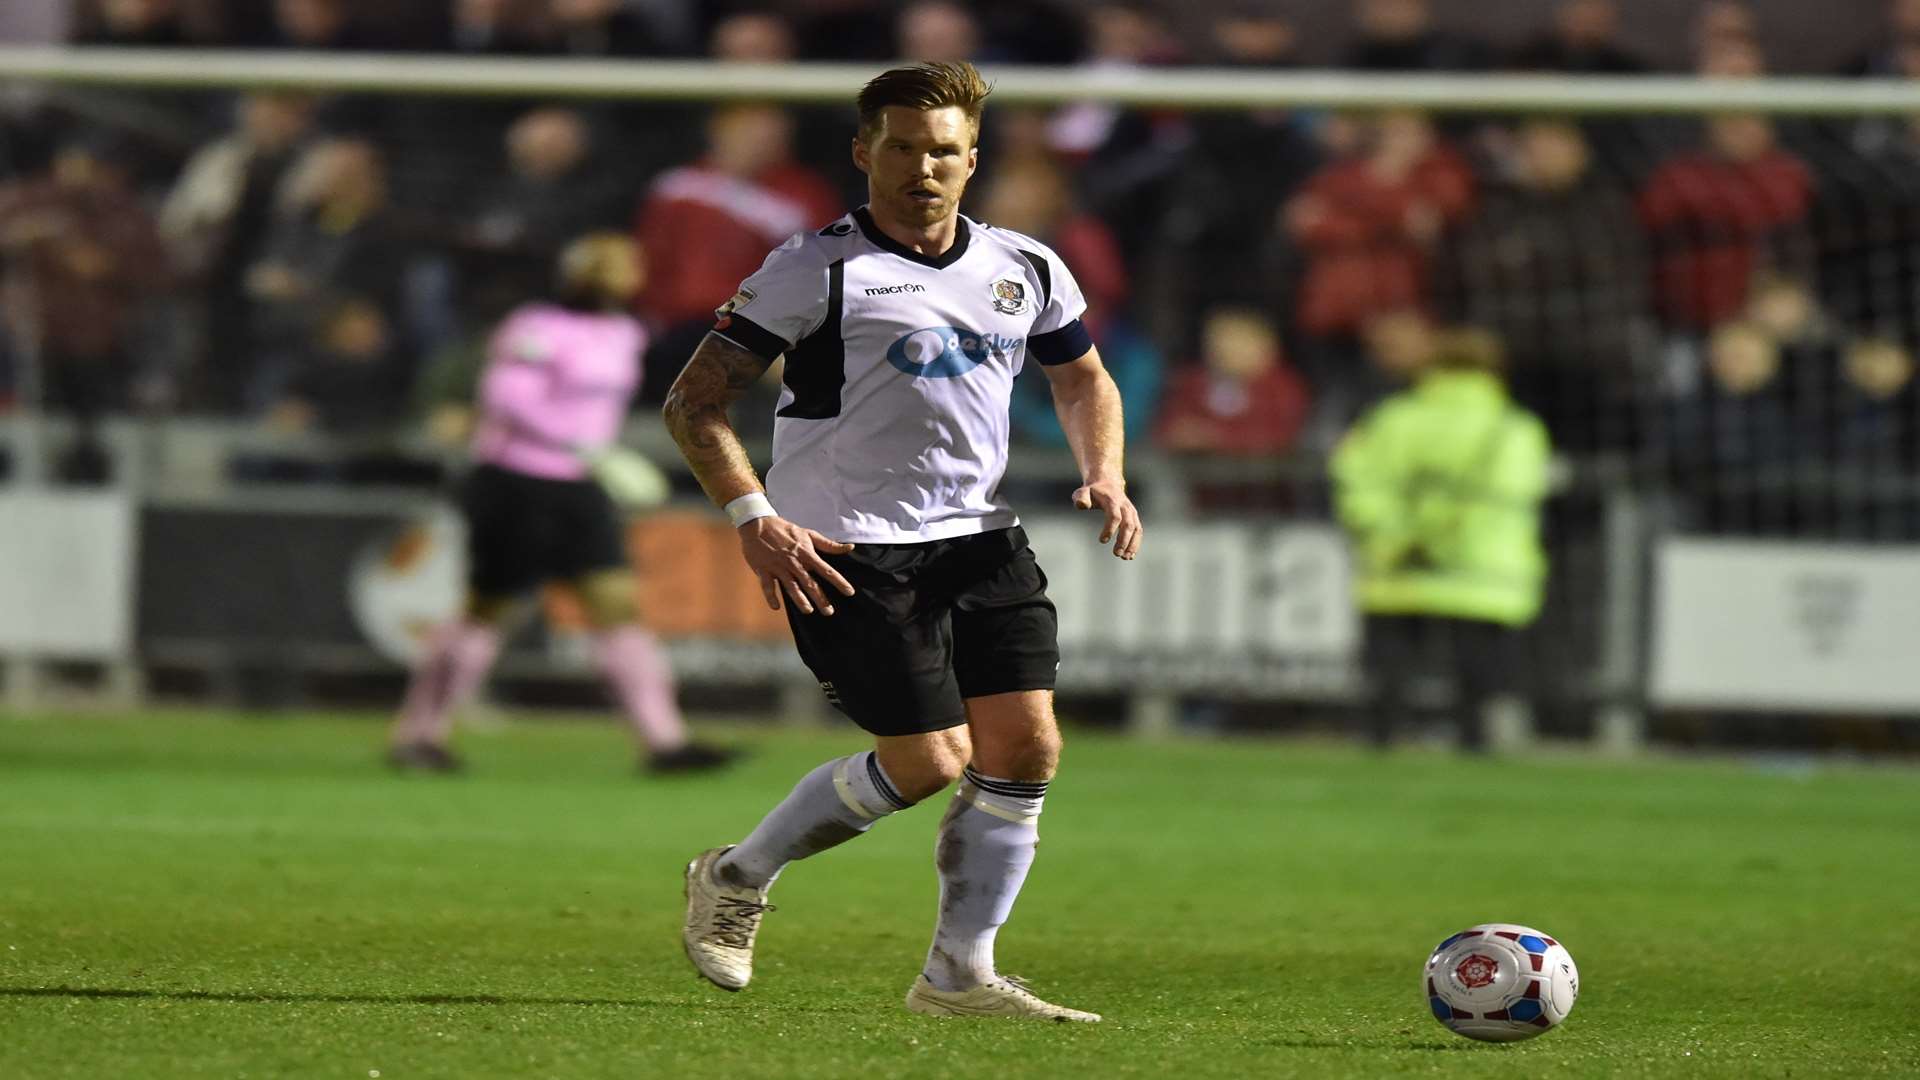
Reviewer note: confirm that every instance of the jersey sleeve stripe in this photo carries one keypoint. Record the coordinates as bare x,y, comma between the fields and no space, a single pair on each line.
817,364
1046,275
752,337
1062,346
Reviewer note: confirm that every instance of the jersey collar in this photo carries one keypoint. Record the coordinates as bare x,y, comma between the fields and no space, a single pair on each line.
961,232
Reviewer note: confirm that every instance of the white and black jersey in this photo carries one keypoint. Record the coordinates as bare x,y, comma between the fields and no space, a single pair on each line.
892,425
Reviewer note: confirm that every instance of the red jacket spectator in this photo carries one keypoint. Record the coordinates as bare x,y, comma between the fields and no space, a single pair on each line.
706,226
91,251
1712,215
1367,224
1243,399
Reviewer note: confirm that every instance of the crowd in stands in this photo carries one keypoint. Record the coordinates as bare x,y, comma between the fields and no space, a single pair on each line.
1722,296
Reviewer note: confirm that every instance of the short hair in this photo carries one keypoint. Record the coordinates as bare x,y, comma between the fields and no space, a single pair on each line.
924,87
1469,348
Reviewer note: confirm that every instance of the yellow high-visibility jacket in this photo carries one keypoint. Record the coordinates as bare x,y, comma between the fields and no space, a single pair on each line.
1440,487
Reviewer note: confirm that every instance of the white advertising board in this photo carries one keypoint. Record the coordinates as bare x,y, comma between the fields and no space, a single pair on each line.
1757,625
1222,589
66,575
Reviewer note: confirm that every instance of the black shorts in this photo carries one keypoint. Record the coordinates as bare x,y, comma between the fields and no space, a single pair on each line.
524,530
929,626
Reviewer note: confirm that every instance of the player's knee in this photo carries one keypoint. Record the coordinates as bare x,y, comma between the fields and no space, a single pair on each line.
1037,757
1033,755
928,765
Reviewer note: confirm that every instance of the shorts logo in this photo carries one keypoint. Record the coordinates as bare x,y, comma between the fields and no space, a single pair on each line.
833,695
942,352
1009,297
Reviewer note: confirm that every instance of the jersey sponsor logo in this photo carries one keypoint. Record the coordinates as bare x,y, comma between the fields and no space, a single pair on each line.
942,352
889,290
838,228
1009,297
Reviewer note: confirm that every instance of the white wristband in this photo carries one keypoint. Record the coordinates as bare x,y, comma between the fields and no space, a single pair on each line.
750,507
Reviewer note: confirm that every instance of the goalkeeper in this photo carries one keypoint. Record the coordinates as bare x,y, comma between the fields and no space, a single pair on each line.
540,506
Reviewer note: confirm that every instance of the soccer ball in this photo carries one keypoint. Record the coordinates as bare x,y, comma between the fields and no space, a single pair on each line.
1500,982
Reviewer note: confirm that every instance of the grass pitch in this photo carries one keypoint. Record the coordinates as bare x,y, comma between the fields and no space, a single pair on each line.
222,897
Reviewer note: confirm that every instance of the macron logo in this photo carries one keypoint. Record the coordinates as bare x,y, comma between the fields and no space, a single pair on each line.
889,290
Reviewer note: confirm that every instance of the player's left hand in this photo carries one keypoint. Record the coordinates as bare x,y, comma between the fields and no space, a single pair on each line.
1122,526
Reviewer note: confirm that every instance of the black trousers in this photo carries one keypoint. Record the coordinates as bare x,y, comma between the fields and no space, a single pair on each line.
1473,658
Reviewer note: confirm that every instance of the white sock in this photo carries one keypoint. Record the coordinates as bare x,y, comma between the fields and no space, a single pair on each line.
828,807
986,847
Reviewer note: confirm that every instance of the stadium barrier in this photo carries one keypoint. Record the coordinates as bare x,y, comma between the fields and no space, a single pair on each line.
1245,601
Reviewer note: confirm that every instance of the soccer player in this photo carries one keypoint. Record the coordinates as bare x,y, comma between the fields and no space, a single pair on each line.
555,392
907,579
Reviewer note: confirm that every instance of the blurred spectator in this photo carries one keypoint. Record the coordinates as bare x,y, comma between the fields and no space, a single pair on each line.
755,37
144,23
713,221
79,259
82,256
1716,216
1721,22
1731,57
987,31
603,28
1367,224
332,237
1216,194
1896,51
1867,224
1584,40
1441,488
1554,263
1241,398
1028,31
346,382
214,222
1031,195
1786,309
1872,423
487,27
318,24
1400,346
937,31
845,30
552,190
1127,158
1254,35
1399,35
1728,441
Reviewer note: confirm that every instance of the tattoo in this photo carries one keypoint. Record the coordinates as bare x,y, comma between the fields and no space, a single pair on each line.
718,375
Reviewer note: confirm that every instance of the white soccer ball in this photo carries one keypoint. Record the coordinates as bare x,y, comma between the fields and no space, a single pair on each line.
1500,982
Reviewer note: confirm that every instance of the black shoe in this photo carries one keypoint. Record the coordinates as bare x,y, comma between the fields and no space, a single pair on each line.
424,757
693,757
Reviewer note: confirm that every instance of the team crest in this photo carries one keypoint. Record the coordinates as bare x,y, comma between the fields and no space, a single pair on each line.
1476,971
724,313
1009,297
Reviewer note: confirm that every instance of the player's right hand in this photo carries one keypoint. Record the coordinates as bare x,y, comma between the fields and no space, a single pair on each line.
786,559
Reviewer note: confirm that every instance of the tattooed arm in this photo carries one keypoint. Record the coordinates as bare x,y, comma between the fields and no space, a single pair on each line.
785,557
696,412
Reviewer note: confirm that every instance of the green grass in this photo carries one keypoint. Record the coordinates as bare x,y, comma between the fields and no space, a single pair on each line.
208,897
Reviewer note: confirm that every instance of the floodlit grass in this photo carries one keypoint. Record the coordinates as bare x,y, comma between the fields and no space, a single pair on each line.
223,897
